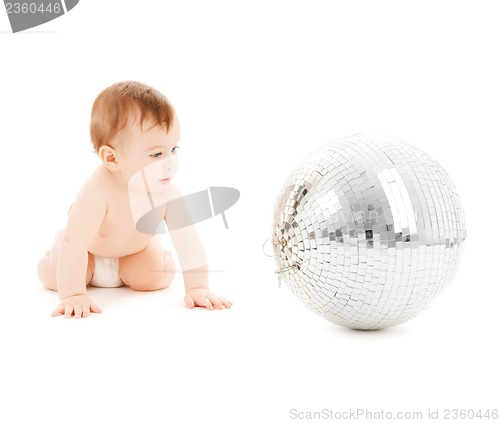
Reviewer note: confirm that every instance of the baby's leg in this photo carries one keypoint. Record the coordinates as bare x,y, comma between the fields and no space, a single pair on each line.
47,266
148,270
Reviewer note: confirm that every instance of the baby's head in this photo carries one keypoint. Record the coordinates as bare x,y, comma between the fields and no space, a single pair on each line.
123,104
134,127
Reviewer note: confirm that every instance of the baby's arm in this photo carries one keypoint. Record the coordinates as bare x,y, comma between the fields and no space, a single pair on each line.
84,220
192,259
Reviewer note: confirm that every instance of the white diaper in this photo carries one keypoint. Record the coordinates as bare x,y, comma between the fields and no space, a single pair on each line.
106,274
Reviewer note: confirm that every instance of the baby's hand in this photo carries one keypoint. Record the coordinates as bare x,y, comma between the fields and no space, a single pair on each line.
77,305
204,298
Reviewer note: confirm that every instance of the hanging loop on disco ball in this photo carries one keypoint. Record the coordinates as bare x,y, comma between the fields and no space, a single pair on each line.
294,266
367,231
280,272
267,242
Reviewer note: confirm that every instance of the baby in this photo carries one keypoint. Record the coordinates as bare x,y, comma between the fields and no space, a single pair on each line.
134,130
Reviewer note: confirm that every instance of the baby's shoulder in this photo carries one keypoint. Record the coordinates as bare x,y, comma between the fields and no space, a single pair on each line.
100,178
90,205
96,187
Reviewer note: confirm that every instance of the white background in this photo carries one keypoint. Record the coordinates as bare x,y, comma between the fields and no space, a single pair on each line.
257,85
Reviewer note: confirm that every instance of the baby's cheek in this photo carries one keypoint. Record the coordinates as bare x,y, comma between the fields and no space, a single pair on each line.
136,181
173,166
155,170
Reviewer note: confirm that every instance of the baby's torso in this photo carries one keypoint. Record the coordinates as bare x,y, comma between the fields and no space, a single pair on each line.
117,235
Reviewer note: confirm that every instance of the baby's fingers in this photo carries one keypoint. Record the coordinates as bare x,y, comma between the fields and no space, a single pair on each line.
226,303
57,311
205,302
78,310
68,311
95,308
189,301
216,302
85,311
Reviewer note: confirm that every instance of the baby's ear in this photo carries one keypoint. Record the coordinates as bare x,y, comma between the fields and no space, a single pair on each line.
109,157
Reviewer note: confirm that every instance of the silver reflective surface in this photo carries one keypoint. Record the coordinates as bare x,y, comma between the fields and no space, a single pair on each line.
367,231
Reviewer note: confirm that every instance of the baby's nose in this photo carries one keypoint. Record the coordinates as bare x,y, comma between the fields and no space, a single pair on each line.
167,163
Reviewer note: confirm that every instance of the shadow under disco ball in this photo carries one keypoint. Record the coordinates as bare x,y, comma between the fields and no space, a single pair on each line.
367,231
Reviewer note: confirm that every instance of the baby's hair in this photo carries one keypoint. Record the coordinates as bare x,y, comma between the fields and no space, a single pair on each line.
122,101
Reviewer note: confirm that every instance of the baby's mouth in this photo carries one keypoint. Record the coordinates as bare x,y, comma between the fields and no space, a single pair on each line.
165,181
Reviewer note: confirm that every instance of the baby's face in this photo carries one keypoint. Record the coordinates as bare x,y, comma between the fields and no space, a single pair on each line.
150,160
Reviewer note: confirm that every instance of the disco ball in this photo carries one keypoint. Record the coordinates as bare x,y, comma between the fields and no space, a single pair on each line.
367,231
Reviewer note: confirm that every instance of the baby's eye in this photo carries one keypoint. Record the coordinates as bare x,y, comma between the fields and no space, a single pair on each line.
175,148
156,154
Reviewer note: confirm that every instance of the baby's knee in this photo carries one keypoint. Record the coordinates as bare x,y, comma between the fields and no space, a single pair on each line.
154,280
169,268
44,273
148,284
